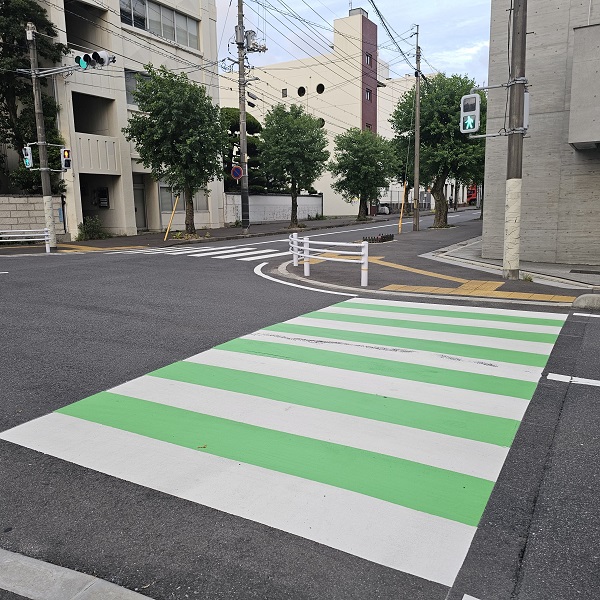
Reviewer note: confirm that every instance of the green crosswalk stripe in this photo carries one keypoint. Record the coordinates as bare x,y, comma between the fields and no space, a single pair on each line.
483,428
548,338
450,348
421,487
436,312
389,368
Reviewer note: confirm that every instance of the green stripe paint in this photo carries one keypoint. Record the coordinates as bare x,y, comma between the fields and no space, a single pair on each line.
388,368
431,490
482,428
453,314
547,338
495,354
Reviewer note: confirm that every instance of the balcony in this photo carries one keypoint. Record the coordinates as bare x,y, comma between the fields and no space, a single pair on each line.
98,154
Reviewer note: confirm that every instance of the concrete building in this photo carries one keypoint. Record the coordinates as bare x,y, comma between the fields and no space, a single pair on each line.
346,88
106,179
561,164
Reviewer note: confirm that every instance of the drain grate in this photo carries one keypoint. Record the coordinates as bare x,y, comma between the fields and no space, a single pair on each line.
585,272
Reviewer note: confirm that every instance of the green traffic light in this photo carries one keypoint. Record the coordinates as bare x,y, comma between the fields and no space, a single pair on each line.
79,60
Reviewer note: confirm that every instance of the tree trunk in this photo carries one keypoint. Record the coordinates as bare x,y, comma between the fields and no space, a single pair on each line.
362,209
294,217
441,204
406,204
190,227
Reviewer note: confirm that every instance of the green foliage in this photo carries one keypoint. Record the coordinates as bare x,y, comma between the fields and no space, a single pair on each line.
91,229
178,133
317,217
363,163
445,152
294,150
17,118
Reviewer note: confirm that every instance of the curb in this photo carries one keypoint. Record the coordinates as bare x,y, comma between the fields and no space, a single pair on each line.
589,301
38,580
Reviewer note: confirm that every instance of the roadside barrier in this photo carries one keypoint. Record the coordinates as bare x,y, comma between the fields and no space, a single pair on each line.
26,235
306,249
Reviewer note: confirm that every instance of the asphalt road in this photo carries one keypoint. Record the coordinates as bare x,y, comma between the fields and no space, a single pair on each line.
76,325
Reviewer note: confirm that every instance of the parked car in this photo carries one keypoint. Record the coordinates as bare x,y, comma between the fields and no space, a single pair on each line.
383,209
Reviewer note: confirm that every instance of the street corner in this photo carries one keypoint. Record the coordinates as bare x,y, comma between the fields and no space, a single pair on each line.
388,274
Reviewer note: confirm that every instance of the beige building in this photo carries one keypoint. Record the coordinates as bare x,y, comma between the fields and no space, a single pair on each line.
106,179
561,164
346,88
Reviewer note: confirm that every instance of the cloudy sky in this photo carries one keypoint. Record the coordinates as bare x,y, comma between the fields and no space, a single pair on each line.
454,34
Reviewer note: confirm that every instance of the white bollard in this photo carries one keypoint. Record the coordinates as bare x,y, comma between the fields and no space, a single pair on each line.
47,240
306,257
364,265
295,249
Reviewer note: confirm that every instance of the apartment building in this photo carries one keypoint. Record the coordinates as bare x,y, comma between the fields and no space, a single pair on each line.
342,89
560,216
106,179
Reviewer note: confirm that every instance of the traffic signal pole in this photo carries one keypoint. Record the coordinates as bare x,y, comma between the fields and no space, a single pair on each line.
240,38
514,167
41,136
416,194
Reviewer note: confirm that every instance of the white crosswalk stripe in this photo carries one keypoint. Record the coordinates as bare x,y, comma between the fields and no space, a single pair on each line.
243,253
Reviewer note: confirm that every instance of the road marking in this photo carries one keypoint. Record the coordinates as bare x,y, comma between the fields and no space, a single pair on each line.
467,597
379,260
576,380
258,271
376,447
266,256
586,315
254,253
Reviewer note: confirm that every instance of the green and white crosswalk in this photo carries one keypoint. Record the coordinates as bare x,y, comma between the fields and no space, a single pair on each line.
375,427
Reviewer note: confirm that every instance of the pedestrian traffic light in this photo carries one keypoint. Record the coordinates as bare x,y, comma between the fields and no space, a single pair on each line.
470,113
65,158
27,157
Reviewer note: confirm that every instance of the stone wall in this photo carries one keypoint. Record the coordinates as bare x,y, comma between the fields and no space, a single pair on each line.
27,212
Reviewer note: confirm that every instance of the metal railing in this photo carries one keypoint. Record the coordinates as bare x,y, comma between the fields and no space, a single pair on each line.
26,235
308,249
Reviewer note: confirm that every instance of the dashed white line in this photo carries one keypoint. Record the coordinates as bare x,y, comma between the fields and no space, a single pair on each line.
576,380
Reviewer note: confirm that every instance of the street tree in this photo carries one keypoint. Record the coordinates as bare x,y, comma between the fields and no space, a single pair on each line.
17,115
445,152
294,150
178,134
363,163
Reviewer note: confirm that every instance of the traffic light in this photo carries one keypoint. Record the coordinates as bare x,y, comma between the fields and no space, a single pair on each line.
470,113
65,158
98,58
27,157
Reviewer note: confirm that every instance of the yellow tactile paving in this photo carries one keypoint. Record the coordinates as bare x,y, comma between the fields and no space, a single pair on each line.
72,248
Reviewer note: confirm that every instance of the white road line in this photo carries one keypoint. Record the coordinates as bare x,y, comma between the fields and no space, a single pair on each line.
502,325
414,357
254,253
467,597
424,334
385,533
465,309
219,252
576,380
586,315
435,449
392,387
258,271
266,256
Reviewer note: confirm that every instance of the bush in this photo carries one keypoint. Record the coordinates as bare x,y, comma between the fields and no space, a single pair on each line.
91,229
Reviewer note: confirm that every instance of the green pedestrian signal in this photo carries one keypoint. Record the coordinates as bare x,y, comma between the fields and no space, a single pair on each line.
27,157
470,109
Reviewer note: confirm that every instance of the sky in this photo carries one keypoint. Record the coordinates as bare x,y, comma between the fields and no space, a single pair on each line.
453,34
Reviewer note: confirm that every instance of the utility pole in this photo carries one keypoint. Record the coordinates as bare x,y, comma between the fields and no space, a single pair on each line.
514,167
41,136
240,38
416,194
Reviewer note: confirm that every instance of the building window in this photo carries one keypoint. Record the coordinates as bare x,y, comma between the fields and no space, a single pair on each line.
131,84
369,59
284,93
320,88
368,95
167,200
321,122
161,21
301,91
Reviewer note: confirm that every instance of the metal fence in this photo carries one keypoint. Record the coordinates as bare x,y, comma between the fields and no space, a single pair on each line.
308,249
26,235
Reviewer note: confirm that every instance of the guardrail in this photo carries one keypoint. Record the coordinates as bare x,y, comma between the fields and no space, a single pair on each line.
26,235
306,249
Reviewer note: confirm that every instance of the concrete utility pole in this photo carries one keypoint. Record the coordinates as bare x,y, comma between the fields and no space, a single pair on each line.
416,194
240,38
514,167
41,136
